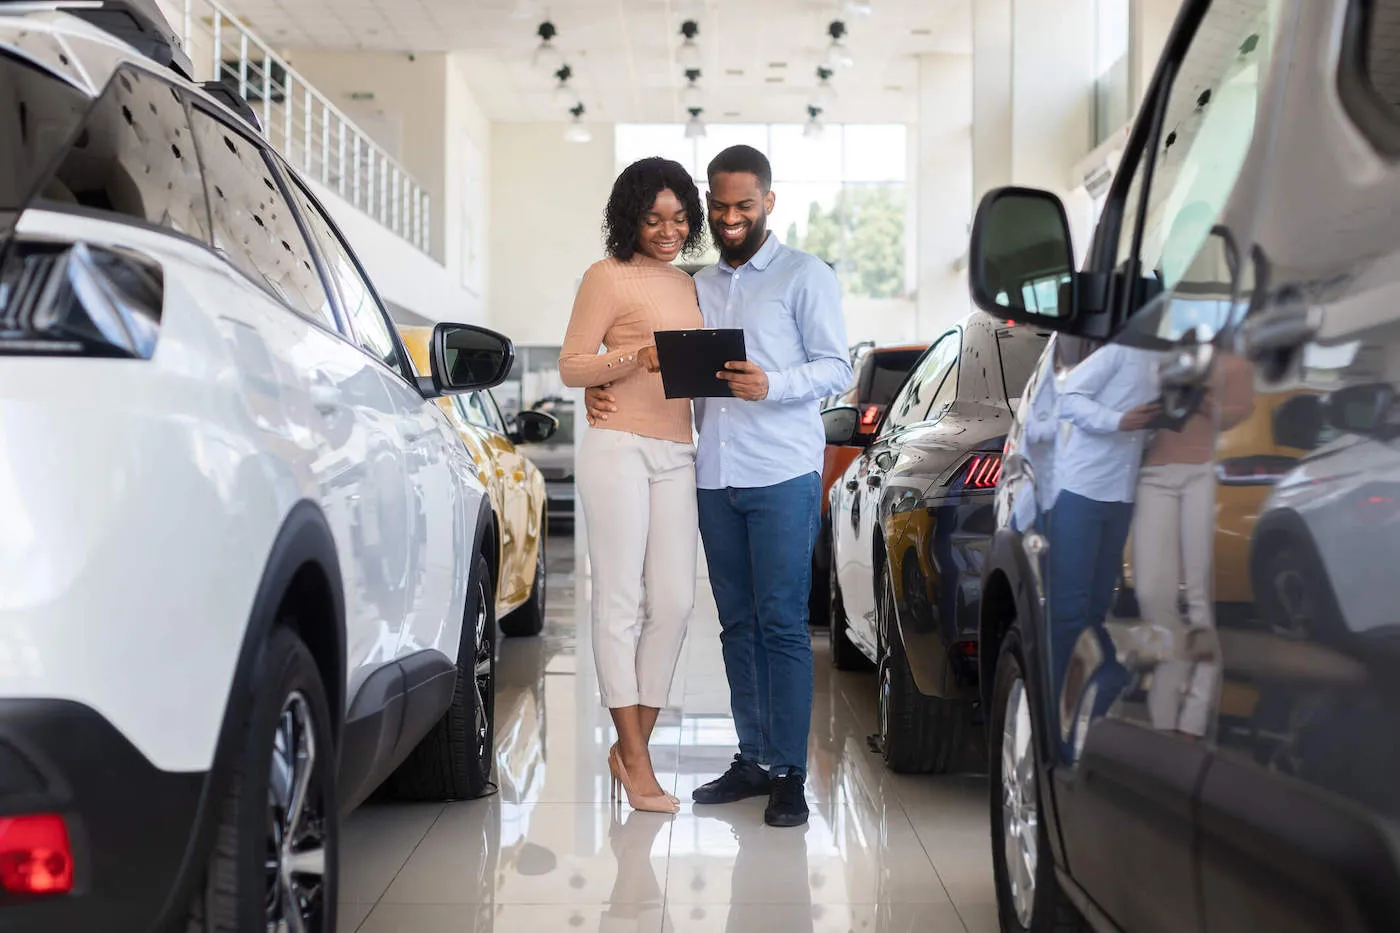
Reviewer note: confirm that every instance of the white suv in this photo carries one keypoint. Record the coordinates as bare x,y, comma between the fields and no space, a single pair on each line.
243,559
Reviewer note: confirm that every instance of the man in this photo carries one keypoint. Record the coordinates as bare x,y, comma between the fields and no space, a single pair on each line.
758,468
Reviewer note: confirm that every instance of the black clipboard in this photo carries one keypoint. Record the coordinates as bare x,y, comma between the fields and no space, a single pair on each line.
690,358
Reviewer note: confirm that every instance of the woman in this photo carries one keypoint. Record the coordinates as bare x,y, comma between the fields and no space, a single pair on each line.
636,473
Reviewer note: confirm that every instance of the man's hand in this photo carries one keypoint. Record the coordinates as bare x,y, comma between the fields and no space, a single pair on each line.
1140,417
647,357
747,380
600,403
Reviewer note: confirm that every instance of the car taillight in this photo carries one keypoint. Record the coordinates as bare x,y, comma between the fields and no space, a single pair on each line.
870,416
982,471
1262,470
79,300
35,855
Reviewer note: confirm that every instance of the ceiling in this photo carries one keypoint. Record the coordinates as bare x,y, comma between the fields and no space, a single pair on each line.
760,56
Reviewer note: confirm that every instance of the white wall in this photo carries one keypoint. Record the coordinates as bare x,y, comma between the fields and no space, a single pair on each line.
943,174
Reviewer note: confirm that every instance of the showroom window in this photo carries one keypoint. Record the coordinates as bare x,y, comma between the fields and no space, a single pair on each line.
841,196
1112,68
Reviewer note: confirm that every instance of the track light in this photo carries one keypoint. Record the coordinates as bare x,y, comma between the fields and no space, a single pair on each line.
694,128
838,56
692,96
814,128
547,57
689,53
823,95
576,131
564,94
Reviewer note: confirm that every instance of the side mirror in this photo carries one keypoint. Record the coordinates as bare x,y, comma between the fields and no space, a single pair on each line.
1298,422
842,425
534,427
466,358
1021,258
1362,409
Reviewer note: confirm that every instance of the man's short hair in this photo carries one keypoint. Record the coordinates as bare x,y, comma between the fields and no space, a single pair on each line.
743,159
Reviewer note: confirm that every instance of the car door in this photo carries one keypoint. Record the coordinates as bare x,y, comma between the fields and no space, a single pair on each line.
518,521
1299,803
435,528
1126,682
865,487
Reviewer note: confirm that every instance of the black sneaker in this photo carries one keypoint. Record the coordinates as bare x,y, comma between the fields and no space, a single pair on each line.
743,779
787,803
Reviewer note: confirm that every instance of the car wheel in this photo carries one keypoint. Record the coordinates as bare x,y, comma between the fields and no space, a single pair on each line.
1293,594
1029,897
529,619
453,762
918,734
845,656
275,859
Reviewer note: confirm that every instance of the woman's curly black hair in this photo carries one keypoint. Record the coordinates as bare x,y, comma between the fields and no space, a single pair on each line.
635,192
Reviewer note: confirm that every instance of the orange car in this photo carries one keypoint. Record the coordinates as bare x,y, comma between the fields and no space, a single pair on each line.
513,484
880,371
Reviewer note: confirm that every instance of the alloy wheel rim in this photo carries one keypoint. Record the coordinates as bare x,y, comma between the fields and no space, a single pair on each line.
541,576
484,672
1020,811
1290,590
295,867
883,609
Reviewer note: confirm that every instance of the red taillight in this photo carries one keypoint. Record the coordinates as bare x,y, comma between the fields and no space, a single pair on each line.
870,416
1261,470
35,855
968,649
983,471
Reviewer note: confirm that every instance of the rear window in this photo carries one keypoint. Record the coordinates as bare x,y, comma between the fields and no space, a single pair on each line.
883,372
1020,349
38,114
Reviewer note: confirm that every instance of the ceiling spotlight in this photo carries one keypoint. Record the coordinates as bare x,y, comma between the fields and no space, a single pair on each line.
576,131
824,95
838,56
564,94
547,57
859,9
814,128
692,96
694,128
689,53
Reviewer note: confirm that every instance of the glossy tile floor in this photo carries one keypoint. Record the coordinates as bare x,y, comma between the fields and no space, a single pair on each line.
882,853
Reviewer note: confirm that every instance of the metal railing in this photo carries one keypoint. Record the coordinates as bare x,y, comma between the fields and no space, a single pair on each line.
311,132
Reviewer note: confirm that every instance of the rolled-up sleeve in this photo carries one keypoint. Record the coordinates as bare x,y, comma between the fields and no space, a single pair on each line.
822,326
595,308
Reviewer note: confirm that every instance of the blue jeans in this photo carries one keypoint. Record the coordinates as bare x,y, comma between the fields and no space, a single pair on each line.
758,544
1087,538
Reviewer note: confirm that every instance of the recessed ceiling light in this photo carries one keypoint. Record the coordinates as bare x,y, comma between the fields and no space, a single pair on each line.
732,113
775,80
921,32
894,87
777,64
735,72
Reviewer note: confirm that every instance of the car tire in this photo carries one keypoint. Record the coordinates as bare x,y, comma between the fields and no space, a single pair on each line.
918,734
528,620
1029,896
845,656
454,760
1293,594
281,799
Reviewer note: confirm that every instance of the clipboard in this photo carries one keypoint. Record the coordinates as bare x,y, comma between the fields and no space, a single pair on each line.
690,358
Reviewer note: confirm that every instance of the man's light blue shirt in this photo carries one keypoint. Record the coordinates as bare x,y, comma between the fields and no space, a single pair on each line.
788,303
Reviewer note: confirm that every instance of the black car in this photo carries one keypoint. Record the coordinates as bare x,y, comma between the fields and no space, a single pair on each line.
1177,761
910,522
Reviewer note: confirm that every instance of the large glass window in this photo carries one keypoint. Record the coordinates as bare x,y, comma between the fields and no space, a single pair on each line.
1112,73
840,196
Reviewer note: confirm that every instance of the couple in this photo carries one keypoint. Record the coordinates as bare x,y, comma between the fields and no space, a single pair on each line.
751,484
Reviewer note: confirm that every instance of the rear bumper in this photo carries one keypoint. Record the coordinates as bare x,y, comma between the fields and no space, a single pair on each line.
130,824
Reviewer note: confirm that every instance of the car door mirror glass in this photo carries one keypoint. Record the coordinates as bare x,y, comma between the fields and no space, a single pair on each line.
466,358
1298,422
842,424
1367,410
533,427
1022,257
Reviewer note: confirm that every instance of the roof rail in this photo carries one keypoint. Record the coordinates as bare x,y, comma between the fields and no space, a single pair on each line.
140,24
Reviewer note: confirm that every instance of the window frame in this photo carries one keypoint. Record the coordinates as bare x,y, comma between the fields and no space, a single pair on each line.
885,428
1377,120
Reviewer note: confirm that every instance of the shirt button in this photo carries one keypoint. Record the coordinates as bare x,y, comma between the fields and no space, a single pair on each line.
724,443
723,410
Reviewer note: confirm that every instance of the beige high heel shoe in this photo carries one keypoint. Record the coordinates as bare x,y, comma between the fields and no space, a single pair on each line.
661,803
612,750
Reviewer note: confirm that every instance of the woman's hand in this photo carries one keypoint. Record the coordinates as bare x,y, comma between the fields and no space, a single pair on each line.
599,403
1140,417
647,357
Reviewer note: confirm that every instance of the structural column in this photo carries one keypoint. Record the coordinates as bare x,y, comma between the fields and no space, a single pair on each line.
944,197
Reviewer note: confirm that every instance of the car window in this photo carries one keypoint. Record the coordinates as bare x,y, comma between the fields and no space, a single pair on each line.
947,390
1206,132
38,114
254,226
472,408
1020,349
883,373
133,156
373,330
912,402
497,421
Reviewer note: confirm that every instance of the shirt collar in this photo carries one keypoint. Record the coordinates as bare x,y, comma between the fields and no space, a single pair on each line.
761,259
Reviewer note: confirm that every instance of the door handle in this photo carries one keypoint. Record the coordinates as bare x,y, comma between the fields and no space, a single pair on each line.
873,482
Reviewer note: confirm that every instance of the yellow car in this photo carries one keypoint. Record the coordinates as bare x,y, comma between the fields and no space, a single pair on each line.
513,484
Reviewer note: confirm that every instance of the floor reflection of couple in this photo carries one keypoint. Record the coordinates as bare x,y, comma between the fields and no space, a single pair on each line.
764,862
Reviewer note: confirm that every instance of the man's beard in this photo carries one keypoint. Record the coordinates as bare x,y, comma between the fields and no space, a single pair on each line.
738,255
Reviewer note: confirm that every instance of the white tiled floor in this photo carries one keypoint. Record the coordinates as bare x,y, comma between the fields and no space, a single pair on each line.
882,853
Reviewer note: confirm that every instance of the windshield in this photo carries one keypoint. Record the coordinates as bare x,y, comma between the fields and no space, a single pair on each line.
38,113
883,372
